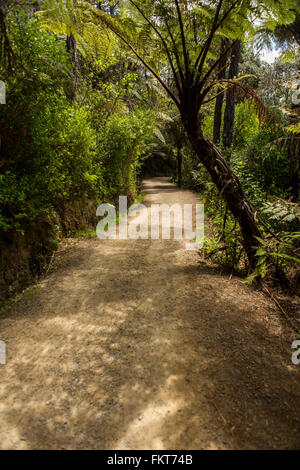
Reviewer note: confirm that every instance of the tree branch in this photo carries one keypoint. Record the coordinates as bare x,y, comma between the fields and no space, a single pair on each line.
185,53
207,75
216,25
175,51
166,88
206,46
162,40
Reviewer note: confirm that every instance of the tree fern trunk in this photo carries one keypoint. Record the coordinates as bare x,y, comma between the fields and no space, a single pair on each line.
72,49
229,109
230,189
220,97
179,167
294,167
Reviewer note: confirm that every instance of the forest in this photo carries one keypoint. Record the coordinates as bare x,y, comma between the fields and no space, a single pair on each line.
100,99
90,110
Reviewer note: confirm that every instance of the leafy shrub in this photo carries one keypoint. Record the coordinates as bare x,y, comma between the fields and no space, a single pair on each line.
267,163
120,145
246,125
283,214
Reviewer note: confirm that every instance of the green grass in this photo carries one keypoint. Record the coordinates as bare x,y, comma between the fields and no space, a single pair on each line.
85,233
140,197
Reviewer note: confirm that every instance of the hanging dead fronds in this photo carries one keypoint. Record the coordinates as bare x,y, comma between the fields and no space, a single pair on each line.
265,115
282,143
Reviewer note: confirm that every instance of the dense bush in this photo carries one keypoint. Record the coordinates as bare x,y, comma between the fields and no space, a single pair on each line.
260,157
53,164
59,154
54,150
120,145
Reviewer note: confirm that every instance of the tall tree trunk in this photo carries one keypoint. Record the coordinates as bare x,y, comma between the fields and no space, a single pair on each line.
179,167
6,52
228,186
72,49
294,167
229,109
220,97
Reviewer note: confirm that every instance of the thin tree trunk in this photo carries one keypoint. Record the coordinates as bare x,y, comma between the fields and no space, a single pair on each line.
6,52
220,97
230,104
230,189
179,167
72,49
294,167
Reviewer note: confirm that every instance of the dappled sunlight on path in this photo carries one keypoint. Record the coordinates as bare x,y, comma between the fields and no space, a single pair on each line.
136,345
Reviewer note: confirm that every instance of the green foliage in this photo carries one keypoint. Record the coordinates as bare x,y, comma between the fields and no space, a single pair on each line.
119,148
267,163
260,158
46,142
194,177
71,17
54,151
208,121
284,214
246,125
279,249
223,242
78,125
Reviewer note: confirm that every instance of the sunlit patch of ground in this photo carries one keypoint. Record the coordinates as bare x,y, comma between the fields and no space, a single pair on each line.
135,345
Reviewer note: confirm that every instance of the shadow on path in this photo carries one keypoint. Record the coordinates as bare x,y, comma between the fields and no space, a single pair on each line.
132,345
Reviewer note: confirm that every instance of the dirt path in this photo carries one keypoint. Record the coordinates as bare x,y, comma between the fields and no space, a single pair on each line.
136,345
